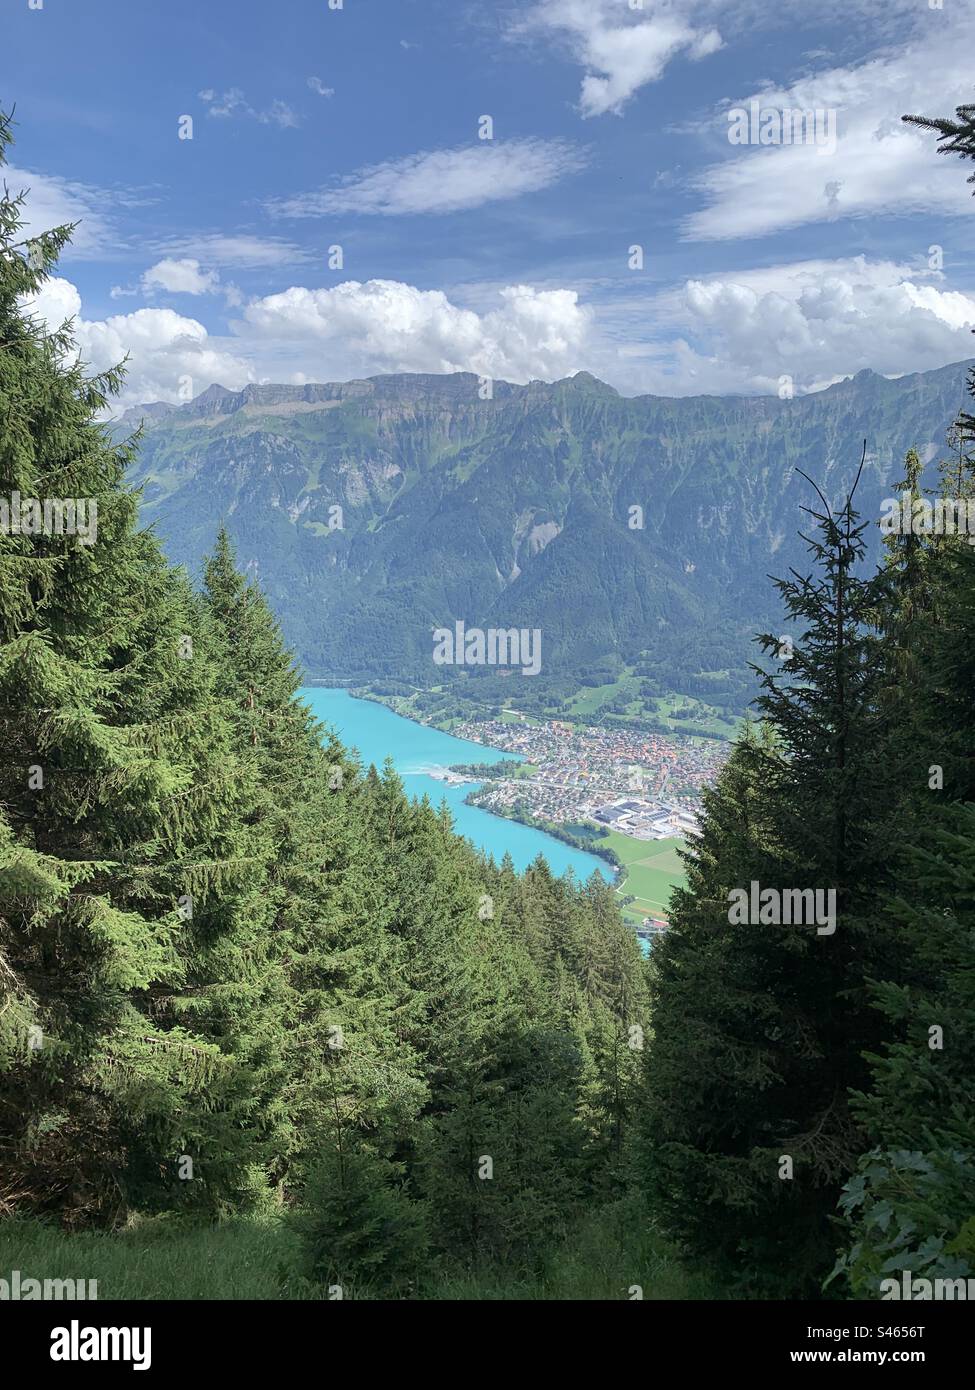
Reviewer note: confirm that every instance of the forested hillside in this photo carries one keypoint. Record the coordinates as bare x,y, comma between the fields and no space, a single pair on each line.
374,511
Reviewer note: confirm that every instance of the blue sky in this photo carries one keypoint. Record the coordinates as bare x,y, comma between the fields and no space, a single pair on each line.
358,127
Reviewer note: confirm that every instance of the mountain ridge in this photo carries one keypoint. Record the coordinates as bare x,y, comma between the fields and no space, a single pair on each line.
248,394
376,509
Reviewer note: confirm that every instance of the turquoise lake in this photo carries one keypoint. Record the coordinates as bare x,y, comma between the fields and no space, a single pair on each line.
377,733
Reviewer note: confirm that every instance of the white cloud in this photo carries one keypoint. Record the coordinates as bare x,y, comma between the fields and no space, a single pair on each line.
330,334
52,201
180,277
56,301
386,326
279,113
168,353
241,252
814,321
233,103
437,181
317,85
880,165
622,49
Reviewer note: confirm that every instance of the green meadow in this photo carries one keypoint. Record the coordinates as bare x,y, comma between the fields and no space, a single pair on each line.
603,1255
652,868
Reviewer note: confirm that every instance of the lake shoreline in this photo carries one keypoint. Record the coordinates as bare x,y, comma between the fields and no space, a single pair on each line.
423,757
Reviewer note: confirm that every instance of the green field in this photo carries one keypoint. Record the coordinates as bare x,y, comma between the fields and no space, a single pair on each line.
591,697
588,706
511,716
705,720
651,869
590,702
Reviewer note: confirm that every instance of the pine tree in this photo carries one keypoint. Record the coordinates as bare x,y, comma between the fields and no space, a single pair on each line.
127,870
907,1209
909,1205
759,1029
353,1083
716,1050
954,136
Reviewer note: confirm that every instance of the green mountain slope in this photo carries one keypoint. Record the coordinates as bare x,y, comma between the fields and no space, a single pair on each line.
515,511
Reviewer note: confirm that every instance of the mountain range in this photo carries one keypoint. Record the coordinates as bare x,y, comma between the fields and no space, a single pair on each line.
626,529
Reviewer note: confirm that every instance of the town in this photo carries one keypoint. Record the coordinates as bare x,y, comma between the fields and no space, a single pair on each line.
644,785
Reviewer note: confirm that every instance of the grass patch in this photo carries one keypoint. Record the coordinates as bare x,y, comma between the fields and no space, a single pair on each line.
513,716
704,720
160,1258
605,1254
590,698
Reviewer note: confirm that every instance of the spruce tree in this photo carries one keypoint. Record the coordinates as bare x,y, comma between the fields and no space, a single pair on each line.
127,872
907,1210
954,136
759,1027
353,1083
909,1206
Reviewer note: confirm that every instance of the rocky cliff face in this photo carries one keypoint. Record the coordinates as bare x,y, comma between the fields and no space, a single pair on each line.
375,510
